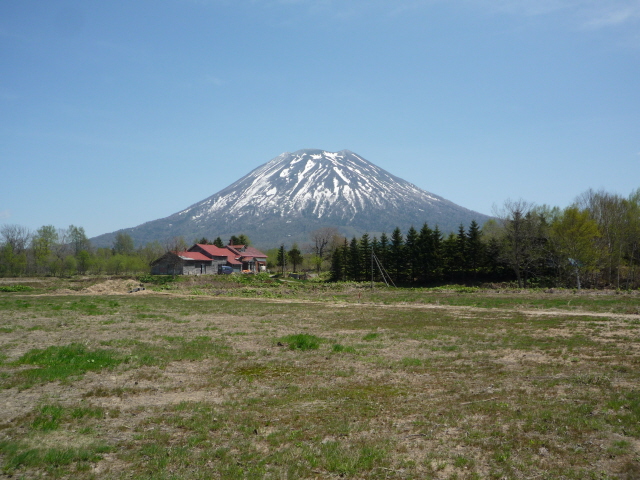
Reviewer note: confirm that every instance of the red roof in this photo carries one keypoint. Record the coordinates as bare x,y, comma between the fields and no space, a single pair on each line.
212,250
193,255
233,256
253,252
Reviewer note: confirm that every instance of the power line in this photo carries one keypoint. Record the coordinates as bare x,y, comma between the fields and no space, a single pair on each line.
383,273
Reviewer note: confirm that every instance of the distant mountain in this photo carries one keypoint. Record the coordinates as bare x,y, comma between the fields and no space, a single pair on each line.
288,197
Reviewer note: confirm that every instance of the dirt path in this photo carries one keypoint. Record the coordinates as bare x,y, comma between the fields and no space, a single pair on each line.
121,287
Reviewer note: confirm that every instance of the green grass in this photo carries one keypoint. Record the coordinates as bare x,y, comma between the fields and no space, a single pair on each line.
388,388
338,348
69,452
178,349
50,417
18,456
301,341
15,288
68,362
60,363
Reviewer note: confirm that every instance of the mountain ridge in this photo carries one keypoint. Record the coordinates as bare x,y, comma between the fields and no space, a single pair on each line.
291,195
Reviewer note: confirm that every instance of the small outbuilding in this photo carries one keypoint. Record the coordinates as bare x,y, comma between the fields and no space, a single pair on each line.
183,263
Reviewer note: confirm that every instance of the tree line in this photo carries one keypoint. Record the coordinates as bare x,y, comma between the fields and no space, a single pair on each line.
63,252
594,243
52,251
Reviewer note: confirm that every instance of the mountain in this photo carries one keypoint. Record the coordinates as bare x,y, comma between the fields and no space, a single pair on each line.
288,197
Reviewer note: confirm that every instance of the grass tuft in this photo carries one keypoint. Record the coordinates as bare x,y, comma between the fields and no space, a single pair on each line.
338,348
302,341
15,288
60,363
19,456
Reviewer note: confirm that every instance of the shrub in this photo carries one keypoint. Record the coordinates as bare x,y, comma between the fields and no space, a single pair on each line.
157,279
15,288
302,341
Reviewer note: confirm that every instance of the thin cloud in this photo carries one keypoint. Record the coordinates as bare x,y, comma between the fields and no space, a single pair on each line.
612,16
529,7
592,14
586,13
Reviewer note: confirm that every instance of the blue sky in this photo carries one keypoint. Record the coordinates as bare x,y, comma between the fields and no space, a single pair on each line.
116,113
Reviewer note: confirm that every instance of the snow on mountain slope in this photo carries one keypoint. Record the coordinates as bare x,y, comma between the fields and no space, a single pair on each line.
293,194
323,184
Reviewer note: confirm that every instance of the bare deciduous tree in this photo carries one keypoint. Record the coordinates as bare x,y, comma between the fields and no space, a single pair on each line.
17,236
610,212
172,247
522,236
324,241
175,244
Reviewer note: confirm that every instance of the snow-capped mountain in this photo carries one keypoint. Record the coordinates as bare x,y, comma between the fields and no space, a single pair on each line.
295,193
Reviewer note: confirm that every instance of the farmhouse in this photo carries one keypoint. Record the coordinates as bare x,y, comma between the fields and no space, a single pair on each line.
203,259
252,259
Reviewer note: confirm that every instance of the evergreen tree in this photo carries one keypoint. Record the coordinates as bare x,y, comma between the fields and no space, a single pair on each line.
437,255
493,255
345,260
523,239
383,251
475,249
354,266
282,258
412,254
375,250
460,257
425,254
365,257
243,240
218,242
295,257
397,259
449,257
339,262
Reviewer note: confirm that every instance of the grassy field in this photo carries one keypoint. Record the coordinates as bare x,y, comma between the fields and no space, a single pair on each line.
222,378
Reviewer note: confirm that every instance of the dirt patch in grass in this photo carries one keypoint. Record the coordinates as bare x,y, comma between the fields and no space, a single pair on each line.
111,287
